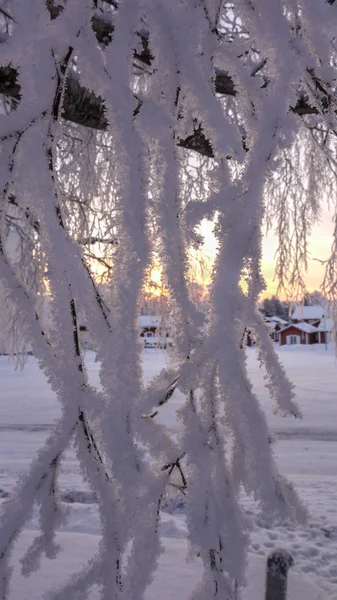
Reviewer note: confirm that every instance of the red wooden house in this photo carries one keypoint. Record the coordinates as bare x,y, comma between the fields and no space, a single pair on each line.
298,333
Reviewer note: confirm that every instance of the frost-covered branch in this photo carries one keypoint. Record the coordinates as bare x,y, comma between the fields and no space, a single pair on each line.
84,108
94,177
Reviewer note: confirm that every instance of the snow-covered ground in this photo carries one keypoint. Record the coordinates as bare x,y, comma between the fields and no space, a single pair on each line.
306,452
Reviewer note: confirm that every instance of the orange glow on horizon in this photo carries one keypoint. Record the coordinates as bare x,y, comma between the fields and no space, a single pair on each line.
155,286
201,261
319,248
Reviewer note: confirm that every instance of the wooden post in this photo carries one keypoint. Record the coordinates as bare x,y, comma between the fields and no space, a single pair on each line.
278,564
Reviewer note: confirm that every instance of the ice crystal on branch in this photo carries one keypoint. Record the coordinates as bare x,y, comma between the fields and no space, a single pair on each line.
106,109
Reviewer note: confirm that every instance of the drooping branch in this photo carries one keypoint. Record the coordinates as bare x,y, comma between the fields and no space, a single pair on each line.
104,29
149,194
84,108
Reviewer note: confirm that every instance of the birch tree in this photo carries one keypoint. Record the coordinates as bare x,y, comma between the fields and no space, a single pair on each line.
107,106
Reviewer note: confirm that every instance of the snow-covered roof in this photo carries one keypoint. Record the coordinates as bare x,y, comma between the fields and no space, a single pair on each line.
278,320
308,312
325,325
149,321
306,327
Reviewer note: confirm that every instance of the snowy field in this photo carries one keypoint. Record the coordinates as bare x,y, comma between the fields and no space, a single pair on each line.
306,452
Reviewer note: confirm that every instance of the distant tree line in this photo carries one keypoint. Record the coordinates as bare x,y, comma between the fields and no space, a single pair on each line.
282,308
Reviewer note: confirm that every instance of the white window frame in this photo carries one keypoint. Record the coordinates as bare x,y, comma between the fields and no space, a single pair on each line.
293,340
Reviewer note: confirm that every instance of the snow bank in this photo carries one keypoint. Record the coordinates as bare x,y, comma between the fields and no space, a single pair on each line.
174,579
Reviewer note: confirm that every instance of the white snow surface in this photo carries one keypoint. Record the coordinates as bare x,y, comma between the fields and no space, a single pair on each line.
174,579
302,327
308,312
306,452
278,320
150,321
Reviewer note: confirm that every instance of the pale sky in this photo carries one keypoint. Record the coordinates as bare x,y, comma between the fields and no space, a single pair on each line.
319,248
